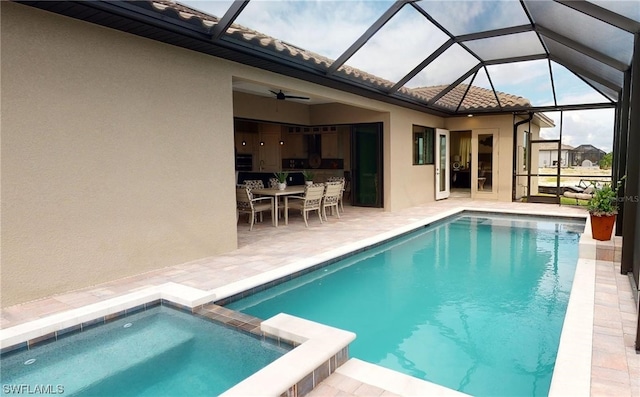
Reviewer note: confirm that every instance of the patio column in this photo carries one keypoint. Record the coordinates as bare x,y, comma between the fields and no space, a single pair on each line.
631,221
620,145
631,224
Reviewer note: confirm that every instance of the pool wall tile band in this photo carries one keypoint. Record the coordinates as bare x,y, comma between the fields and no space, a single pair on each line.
225,317
15,348
238,321
320,350
447,218
74,329
313,379
289,277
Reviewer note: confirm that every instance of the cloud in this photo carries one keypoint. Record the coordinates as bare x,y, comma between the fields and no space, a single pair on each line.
399,46
461,17
325,27
580,127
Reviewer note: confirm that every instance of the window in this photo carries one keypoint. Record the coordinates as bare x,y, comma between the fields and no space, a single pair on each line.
422,145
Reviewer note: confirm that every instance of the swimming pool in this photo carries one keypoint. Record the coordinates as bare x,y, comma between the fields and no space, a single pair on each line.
160,351
475,303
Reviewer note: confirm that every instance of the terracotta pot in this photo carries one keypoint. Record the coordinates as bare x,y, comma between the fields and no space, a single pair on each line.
602,226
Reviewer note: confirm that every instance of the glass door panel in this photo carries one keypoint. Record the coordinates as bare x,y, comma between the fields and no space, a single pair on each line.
367,165
442,164
485,163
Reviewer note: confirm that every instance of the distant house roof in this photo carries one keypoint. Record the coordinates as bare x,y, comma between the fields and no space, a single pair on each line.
553,146
588,148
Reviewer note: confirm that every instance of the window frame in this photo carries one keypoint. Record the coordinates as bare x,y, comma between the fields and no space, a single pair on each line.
423,139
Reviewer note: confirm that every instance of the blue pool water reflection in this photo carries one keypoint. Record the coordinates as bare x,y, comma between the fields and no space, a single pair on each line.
475,304
158,352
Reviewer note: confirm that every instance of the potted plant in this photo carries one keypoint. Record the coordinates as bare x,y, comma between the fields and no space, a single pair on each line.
282,179
603,207
308,177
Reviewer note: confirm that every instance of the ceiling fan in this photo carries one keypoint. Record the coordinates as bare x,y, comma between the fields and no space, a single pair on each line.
281,96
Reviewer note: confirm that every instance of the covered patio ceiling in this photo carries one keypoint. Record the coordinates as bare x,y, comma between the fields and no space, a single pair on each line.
442,57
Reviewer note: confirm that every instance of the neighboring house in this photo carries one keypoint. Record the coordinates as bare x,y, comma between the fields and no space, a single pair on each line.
548,155
119,150
586,156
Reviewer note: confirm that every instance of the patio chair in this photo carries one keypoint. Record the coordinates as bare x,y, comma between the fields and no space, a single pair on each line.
344,185
586,194
311,201
247,204
254,184
331,198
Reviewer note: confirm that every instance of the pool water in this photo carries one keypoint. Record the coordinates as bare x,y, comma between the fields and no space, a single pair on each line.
475,304
158,352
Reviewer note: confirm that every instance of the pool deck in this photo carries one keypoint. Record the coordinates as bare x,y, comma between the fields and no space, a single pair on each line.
615,366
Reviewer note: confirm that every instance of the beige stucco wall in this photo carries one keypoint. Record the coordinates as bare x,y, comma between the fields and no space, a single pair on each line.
412,184
267,109
116,155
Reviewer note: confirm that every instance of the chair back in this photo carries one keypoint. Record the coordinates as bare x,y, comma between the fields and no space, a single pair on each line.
254,184
313,195
332,192
273,183
244,198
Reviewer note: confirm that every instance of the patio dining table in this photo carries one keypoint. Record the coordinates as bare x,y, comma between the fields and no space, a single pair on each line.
276,193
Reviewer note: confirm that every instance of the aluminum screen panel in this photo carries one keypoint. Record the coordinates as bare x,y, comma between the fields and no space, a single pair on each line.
452,99
215,8
611,94
311,34
327,28
588,64
444,70
506,46
484,99
580,28
462,17
399,46
571,90
630,9
530,79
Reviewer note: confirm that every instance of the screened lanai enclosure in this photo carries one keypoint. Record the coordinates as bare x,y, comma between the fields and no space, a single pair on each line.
447,58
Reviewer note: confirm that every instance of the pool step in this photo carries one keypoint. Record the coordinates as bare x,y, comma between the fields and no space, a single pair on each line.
84,369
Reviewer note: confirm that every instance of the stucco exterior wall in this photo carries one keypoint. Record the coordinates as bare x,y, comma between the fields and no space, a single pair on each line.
267,109
412,184
116,155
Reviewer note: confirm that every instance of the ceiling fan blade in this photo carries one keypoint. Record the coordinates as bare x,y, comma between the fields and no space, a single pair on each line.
296,97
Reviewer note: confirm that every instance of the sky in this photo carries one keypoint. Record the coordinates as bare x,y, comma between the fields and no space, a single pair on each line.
330,27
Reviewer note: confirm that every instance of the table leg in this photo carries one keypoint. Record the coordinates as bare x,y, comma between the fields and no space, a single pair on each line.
275,213
286,210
